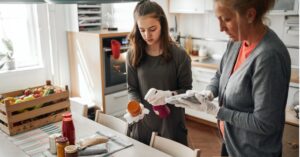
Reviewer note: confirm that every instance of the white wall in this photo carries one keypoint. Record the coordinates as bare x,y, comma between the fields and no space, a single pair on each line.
54,21
17,79
58,25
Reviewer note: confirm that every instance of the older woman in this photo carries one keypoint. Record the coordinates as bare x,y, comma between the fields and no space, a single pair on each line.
251,83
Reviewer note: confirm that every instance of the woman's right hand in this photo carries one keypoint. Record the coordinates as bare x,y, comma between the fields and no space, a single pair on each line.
203,96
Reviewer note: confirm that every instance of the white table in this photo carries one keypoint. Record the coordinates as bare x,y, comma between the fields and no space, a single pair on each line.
84,128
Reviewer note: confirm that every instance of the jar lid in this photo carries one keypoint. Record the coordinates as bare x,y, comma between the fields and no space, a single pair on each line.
55,135
61,139
67,115
71,149
48,82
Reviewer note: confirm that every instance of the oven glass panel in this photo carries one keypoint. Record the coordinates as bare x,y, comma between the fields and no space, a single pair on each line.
115,68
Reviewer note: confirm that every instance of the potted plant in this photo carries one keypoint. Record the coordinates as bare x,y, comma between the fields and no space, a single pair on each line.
7,55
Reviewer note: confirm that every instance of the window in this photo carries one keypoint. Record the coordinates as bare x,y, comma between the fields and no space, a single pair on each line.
19,37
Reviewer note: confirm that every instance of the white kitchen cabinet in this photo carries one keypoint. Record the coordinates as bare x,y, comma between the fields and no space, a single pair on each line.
201,78
209,5
291,31
187,6
88,70
293,95
116,103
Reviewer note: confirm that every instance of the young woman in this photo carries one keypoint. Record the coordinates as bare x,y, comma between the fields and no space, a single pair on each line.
252,81
155,61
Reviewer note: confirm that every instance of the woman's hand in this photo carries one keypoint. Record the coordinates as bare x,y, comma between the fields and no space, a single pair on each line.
157,97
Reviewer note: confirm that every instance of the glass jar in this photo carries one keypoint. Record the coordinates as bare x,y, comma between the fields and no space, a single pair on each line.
61,143
195,50
71,151
134,108
52,142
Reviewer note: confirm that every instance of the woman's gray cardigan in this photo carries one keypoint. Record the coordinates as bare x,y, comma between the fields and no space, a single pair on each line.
254,97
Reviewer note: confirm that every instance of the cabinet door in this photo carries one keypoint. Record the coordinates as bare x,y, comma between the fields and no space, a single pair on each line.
201,77
209,5
187,6
293,97
116,103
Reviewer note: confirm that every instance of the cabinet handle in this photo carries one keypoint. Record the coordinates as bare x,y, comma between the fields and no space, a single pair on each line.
120,96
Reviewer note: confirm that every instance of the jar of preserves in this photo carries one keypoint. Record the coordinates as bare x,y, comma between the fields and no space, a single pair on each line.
71,151
134,108
195,50
61,143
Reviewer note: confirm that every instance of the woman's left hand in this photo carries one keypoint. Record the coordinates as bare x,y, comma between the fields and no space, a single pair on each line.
207,106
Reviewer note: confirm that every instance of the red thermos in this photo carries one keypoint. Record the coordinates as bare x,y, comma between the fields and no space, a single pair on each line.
68,129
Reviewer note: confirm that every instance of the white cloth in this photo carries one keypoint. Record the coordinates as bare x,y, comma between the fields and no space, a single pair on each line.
187,101
203,96
208,107
157,97
135,119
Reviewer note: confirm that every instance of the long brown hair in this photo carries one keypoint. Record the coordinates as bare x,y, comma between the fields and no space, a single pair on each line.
261,7
137,43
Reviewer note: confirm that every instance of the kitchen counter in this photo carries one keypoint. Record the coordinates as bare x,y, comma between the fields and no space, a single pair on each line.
205,63
214,64
290,116
295,75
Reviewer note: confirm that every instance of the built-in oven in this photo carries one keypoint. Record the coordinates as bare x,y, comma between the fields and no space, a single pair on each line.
115,67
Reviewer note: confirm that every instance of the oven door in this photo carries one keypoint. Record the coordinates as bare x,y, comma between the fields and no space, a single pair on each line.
115,72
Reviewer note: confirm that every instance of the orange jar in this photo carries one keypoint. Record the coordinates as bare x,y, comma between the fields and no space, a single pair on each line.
61,143
134,108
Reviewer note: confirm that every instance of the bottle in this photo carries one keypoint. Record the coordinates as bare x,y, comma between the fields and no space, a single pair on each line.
162,111
188,44
68,129
61,143
71,151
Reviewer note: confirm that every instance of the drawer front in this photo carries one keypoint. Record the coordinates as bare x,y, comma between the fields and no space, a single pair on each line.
293,97
116,103
294,54
201,77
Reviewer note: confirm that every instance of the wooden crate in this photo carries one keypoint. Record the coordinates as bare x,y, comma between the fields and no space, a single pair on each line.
12,122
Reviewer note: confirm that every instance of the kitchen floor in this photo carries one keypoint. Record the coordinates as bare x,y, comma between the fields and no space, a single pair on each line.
204,137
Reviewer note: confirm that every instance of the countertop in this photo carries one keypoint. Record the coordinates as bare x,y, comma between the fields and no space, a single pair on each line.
214,64
104,33
205,63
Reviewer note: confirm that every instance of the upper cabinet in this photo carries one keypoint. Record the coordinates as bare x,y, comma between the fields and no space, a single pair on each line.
187,6
287,5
